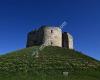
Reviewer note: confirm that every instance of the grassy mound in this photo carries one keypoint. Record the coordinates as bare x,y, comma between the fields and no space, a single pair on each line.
50,64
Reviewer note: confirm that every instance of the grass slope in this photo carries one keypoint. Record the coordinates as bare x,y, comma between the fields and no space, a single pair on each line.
50,65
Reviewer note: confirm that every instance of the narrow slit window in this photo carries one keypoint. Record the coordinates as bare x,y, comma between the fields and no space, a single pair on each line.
51,31
51,43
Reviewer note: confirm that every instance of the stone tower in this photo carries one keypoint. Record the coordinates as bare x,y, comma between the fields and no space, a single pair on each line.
67,40
52,36
49,35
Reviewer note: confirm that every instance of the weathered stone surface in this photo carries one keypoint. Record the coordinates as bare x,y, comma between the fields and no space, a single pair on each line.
53,36
49,35
65,73
67,40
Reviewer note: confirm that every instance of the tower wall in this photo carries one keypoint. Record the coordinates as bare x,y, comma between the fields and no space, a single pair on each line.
49,35
31,38
35,38
67,40
53,36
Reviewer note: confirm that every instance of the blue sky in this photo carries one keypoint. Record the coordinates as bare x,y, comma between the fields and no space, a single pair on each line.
18,17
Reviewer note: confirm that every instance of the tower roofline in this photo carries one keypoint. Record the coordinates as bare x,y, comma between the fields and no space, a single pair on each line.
44,26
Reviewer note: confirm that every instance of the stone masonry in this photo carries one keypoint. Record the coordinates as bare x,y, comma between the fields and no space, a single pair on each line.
49,35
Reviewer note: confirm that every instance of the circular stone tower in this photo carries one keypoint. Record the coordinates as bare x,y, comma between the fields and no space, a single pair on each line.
52,36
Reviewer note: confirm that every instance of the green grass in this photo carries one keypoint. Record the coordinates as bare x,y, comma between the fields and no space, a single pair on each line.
50,65
83,75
